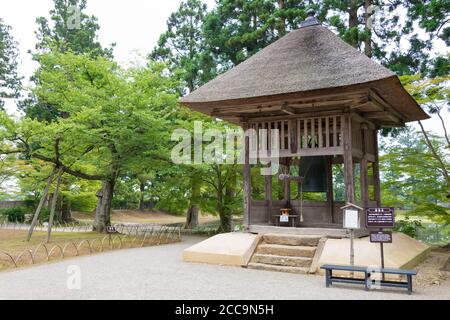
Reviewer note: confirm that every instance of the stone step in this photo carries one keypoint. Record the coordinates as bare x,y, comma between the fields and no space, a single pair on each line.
283,250
292,240
269,267
282,260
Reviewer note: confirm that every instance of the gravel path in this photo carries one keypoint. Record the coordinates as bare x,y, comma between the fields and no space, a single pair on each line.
159,273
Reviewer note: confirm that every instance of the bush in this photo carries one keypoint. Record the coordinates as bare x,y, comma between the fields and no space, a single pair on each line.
15,214
44,216
408,227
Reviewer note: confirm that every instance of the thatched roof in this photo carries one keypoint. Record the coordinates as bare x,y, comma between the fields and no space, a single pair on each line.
308,60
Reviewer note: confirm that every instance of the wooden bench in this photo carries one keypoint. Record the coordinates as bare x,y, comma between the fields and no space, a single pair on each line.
292,219
330,279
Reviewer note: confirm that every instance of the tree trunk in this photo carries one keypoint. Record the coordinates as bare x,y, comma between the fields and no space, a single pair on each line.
281,27
141,199
368,17
66,212
225,222
53,206
444,127
440,161
193,210
353,19
41,204
104,204
226,214
192,217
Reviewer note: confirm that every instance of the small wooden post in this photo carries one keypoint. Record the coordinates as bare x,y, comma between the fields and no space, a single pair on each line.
351,225
269,197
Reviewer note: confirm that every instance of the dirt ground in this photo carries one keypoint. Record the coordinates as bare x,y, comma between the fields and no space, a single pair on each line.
135,216
14,247
430,272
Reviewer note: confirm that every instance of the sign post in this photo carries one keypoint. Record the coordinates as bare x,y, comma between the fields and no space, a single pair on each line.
380,218
352,220
110,230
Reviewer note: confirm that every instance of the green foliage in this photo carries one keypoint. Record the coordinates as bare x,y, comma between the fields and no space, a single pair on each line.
69,31
411,177
82,202
432,16
10,81
235,30
116,120
182,46
408,227
15,214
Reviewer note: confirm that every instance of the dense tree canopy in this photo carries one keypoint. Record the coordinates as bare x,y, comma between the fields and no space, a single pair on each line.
69,28
115,117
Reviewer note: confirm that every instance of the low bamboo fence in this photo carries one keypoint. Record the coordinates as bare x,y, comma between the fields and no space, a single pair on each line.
46,252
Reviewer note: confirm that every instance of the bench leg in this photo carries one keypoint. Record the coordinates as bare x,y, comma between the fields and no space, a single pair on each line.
328,278
366,282
410,284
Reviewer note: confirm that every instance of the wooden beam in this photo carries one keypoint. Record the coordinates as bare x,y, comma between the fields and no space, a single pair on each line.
362,120
288,110
297,116
342,99
376,97
348,160
381,114
368,104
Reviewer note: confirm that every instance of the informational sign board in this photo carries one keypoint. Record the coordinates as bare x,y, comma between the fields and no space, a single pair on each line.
284,218
111,230
351,219
380,218
381,237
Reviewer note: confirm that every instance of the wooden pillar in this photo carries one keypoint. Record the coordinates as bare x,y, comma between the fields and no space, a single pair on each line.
246,179
376,171
269,198
364,173
293,136
330,196
364,167
349,180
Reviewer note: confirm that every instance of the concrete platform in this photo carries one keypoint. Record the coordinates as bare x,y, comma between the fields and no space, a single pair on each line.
404,253
326,232
230,249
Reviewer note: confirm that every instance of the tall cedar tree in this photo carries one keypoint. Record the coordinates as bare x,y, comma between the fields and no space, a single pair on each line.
68,30
10,80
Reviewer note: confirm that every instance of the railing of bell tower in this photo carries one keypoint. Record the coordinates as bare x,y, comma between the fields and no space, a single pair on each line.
299,136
